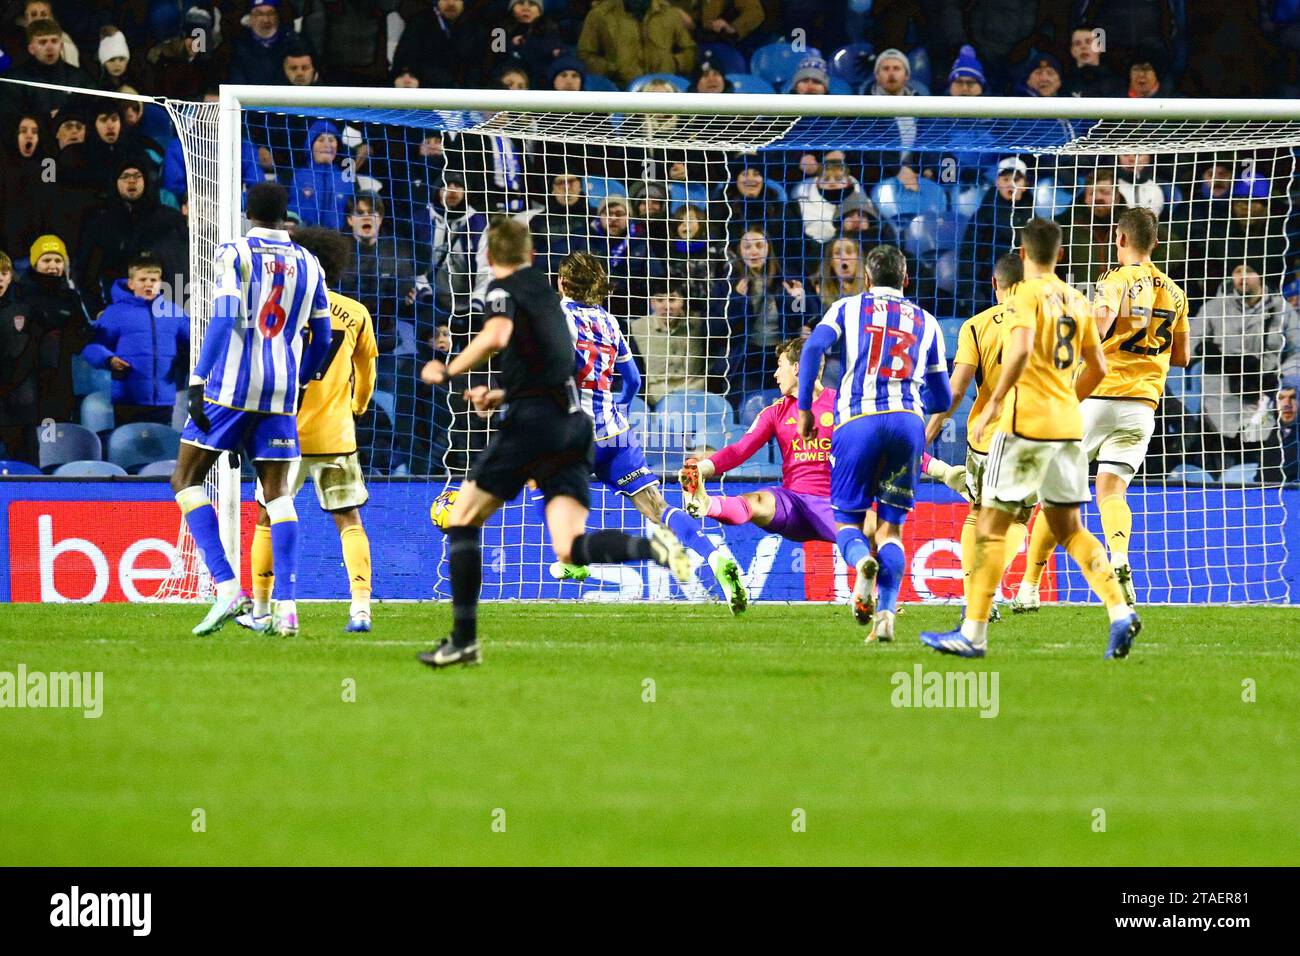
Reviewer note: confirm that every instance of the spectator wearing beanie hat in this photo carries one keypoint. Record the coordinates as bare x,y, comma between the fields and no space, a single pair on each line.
567,74
532,38
1043,77
967,76
184,66
258,56
893,75
114,58
55,319
811,79
708,76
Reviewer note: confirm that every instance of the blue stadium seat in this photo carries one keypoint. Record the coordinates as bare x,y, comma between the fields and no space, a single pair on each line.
945,271
86,378
895,202
14,469
755,403
854,64
921,76
97,412
180,410
158,469
68,443
1243,474
965,200
387,402
695,411
597,188
931,233
139,443
1185,385
837,87
727,58
89,469
1191,475
679,194
679,82
777,62
595,83
749,83
1050,200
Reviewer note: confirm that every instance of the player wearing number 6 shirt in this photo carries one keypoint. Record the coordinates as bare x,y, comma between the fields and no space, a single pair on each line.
620,462
1141,315
244,393
338,393
890,348
1037,446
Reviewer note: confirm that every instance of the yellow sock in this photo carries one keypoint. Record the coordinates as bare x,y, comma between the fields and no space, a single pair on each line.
356,558
1090,556
968,549
1117,522
1041,545
1015,538
263,569
985,576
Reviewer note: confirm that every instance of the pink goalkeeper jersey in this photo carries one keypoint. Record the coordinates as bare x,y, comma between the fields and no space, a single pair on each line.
805,465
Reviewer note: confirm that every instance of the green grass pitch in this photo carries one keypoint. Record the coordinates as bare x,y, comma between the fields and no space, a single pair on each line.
550,753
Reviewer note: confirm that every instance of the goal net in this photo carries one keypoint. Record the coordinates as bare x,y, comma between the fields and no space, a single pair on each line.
727,225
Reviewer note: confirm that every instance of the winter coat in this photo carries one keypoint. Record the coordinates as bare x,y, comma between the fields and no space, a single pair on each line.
460,267
991,232
17,363
350,37
454,53
615,44
56,322
319,194
381,275
26,198
258,63
152,337
42,101
675,353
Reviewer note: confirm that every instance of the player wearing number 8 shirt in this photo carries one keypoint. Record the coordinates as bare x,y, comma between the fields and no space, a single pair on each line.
1037,447
890,349
244,393
1141,315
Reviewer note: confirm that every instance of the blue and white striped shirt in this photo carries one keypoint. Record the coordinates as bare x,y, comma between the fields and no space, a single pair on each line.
280,287
888,344
599,346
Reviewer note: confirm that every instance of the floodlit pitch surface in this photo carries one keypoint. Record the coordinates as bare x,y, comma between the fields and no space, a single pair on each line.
653,735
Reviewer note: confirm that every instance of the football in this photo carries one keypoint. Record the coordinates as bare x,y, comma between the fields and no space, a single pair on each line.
440,510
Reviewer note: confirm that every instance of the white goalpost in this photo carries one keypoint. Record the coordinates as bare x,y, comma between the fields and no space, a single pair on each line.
687,275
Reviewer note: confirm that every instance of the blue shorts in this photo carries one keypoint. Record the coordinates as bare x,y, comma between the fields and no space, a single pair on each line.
876,459
621,464
260,435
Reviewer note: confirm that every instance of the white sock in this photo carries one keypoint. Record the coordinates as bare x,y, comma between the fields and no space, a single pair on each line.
1118,559
977,632
228,590
285,608
1119,612
261,608
359,606
1027,591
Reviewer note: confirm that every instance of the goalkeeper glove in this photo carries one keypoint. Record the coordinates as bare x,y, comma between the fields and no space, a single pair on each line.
197,413
956,480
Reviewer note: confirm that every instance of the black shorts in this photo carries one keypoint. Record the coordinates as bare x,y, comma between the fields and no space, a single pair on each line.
544,442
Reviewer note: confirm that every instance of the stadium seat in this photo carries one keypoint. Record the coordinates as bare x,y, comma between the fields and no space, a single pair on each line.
89,469
679,194
966,200
854,64
777,62
695,411
726,56
945,271
680,82
838,87
1050,200
1243,474
86,378
921,76
895,202
180,410
387,402
756,403
749,83
931,233
14,469
598,188
594,83
97,412
139,443
158,469
1191,475
68,443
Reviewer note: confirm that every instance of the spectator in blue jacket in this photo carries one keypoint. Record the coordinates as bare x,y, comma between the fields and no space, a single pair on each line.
321,187
139,338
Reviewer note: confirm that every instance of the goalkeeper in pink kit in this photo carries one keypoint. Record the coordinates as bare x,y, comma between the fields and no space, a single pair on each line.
798,509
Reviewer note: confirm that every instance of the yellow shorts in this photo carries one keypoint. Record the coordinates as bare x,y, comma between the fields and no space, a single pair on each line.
337,479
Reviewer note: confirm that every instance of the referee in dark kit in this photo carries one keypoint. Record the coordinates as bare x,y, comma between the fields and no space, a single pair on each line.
544,436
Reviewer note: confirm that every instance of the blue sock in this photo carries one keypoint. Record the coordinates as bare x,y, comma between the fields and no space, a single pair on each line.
853,545
689,531
284,547
206,532
890,580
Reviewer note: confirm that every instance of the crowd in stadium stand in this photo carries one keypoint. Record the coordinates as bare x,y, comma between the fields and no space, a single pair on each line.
713,261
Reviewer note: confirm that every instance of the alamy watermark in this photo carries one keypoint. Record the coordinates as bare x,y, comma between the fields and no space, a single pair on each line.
75,690
946,689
